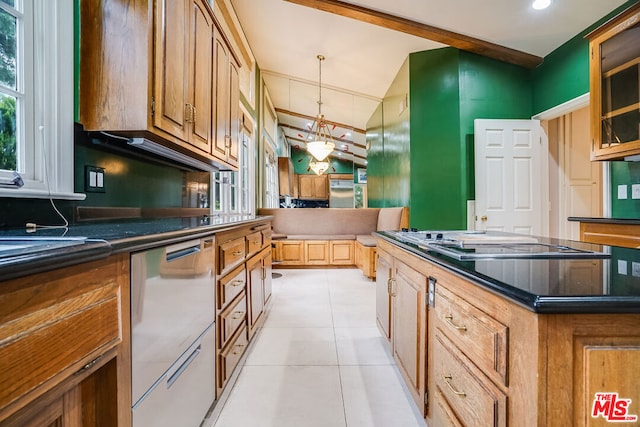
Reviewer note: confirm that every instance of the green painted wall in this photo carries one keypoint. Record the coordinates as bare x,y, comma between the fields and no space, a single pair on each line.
375,159
624,173
448,90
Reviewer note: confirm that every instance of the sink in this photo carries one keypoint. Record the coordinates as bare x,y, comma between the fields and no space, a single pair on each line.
23,245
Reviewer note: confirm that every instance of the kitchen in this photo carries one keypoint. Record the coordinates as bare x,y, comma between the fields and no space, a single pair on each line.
141,154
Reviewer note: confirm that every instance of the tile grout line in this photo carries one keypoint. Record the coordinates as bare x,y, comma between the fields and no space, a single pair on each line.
335,342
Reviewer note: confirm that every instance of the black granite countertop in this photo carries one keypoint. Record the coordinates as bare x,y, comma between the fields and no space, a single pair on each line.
558,285
627,221
107,237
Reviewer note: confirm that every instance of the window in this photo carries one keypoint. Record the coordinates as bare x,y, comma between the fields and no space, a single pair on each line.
232,191
36,97
272,197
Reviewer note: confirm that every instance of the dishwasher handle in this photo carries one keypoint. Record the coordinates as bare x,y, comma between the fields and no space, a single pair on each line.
182,250
183,367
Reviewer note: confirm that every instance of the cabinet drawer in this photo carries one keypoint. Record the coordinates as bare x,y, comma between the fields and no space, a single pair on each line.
266,237
230,356
254,242
443,414
471,395
231,319
55,325
231,253
480,337
230,286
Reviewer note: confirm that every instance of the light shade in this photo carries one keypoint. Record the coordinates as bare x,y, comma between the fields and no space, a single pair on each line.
319,167
320,149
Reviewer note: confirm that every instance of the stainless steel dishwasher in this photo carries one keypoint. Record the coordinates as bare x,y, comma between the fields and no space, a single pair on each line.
173,334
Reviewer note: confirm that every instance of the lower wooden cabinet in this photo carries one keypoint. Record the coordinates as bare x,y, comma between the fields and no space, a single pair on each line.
316,252
409,314
64,346
341,252
383,293
290,252
259,287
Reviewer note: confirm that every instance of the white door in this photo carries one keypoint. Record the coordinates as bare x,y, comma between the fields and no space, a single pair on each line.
511,175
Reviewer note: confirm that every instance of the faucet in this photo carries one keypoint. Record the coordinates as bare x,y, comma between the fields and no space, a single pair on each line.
16,182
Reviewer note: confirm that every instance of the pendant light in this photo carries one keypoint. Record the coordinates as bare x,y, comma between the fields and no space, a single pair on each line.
319,167
321,143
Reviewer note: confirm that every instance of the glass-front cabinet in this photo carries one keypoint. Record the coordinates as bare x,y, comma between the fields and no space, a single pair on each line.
615,87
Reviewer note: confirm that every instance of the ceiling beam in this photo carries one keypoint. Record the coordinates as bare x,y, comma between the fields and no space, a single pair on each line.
313,118
396,23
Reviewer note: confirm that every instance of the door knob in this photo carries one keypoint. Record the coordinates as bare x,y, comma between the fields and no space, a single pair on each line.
483,218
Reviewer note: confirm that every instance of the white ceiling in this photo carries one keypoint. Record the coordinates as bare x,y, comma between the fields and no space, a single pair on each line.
362,59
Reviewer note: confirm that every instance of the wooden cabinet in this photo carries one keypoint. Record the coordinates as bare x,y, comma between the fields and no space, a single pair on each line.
259,287
409,322
384,273
226,118
313,187
341,252
243,289
290,252
591,354
614,234
615,87
182,85
65,349
286,177
165,73
316,252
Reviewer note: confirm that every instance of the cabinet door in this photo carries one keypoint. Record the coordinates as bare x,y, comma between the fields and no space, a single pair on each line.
200,76
64,411
221,119
171,67
409,327
255,273
234,115
321,187
268,279
383,299
305,186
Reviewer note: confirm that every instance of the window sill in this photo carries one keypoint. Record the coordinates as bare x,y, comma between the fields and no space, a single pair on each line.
37,194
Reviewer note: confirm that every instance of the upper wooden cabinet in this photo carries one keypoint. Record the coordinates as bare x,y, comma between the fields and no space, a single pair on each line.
226,116
286,177
161,70
313,187
615,87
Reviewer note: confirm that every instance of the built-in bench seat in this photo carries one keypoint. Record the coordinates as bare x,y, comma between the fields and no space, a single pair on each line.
331,236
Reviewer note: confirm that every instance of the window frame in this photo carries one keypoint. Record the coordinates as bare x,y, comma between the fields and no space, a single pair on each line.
45,155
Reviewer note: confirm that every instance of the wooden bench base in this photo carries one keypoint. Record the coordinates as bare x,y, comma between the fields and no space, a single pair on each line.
314,253
366,259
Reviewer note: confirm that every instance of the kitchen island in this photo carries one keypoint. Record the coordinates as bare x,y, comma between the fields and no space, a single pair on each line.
542,341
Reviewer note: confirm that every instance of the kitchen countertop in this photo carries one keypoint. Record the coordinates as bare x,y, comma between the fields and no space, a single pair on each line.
605,220
560,285
107,237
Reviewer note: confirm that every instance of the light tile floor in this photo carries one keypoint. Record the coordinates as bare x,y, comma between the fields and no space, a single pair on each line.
319,360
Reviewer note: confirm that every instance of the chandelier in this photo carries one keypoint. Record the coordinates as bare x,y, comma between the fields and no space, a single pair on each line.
321,144
319,167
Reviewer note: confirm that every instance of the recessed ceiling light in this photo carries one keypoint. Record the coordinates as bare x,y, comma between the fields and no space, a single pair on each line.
541,4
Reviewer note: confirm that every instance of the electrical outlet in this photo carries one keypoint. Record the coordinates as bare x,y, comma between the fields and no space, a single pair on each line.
635,191
635,269
93,179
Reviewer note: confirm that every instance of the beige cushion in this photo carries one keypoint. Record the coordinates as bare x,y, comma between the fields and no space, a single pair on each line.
325,221
321,237
366,240
389,219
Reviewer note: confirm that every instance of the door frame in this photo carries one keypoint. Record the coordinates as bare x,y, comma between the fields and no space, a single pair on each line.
564,109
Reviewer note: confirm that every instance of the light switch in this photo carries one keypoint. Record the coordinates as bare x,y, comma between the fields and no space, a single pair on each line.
622,192
93,179
635,191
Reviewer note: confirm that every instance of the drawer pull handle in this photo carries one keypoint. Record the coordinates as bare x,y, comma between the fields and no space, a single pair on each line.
236,253
238,315
239,347
450,321
256,242
447,379
237,283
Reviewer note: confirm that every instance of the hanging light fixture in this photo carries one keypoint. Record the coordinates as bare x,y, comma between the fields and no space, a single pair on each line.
319,167
321,142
